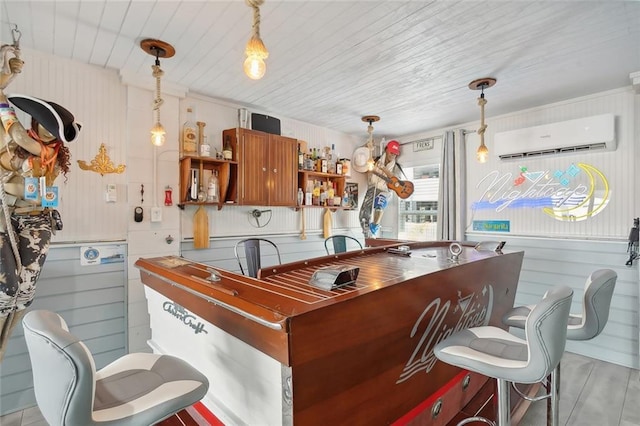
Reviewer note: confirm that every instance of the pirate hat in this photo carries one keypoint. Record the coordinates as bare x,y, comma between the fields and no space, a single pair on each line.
56,119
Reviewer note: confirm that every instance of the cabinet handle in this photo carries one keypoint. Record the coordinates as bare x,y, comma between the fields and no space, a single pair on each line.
275,170
264,169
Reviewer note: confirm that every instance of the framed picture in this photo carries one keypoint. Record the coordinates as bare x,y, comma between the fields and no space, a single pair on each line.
352,192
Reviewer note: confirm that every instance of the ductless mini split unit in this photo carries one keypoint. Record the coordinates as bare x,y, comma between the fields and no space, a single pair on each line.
572,136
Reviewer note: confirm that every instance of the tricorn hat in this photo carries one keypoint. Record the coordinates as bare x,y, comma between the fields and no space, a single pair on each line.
56,119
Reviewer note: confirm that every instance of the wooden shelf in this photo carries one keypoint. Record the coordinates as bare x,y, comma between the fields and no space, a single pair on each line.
227,179
304,176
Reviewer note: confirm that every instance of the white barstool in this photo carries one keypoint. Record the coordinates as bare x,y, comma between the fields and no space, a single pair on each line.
496,353
596,303
135,389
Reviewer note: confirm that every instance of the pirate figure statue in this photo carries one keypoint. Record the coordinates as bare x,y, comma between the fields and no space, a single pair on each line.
30,161
378,193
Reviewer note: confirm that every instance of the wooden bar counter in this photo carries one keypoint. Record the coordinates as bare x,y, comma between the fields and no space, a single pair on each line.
278,350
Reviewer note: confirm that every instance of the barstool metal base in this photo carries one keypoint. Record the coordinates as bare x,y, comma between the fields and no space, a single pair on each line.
503,416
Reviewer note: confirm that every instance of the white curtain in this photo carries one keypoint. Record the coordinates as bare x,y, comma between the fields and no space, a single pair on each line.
452,194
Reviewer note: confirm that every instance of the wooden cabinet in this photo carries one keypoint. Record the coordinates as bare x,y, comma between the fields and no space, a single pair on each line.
305,176
268,167
227,179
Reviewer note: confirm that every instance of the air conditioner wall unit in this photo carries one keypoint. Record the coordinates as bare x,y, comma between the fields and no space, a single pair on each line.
572,136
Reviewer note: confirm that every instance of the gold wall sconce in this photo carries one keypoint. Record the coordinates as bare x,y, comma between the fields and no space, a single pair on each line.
101,163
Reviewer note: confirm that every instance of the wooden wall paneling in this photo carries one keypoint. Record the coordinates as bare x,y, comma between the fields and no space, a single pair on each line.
541,270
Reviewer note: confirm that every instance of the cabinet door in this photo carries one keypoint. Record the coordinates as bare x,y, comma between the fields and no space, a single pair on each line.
283,169
254,152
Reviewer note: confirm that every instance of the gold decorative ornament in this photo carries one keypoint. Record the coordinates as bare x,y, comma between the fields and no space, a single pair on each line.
101,163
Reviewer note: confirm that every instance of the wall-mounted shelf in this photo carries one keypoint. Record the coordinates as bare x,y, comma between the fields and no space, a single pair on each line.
305,176
227,179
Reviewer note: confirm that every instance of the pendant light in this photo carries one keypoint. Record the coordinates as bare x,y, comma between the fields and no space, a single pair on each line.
254,66
159,49
480,84
370,119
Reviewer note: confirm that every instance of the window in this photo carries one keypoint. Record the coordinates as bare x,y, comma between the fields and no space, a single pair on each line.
418,214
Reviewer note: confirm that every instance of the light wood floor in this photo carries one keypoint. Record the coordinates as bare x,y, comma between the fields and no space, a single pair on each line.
592,393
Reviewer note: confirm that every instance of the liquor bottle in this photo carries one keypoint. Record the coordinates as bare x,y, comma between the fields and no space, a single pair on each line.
300,158
316,194
193,185
300,197
345,199
227,151
323,195
189,135
331,164
213,190
308,195
330,194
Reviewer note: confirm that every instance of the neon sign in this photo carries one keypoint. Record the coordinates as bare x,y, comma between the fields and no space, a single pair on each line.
577,193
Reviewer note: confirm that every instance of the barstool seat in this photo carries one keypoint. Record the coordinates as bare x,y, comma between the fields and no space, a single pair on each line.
496,353
596,303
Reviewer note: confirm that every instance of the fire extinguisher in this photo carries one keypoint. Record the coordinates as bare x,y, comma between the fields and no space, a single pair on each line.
167,196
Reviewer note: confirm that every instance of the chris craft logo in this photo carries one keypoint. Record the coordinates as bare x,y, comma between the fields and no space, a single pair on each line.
577,193
185,316
436,324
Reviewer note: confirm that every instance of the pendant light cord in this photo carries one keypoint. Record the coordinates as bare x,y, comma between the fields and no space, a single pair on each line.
482,102
255,5
157,74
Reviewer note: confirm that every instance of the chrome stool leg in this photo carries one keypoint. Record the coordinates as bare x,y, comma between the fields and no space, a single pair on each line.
553,402
504,404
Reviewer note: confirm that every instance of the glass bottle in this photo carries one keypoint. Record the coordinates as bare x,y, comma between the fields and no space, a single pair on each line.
227,151
300,197
202,196
300,158
189,135
213,190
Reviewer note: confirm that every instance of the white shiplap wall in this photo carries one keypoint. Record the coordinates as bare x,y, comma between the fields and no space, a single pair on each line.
617,166
567,252
97,99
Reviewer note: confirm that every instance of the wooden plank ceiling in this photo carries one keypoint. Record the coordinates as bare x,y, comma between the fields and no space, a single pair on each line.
331,62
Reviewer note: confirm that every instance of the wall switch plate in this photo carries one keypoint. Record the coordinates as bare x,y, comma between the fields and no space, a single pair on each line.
111,194
156,214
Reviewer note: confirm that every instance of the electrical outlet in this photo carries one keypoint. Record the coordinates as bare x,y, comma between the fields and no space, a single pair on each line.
156,214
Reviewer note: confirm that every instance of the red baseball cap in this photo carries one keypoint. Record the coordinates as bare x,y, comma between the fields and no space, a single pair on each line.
393,147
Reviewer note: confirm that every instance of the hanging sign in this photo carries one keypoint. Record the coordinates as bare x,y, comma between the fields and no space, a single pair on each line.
423,145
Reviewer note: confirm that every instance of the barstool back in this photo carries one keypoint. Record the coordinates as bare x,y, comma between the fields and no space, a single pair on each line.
546,334
596,302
